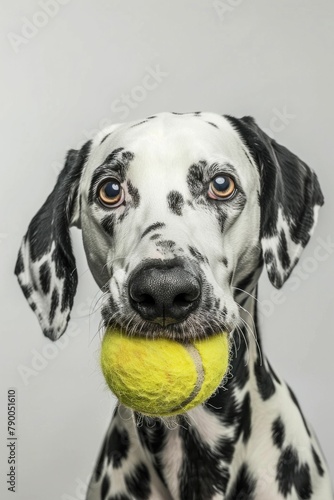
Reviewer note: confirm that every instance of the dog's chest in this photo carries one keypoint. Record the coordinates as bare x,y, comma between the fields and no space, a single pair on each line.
247,442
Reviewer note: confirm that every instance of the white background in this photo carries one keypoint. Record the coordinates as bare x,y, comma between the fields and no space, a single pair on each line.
63,80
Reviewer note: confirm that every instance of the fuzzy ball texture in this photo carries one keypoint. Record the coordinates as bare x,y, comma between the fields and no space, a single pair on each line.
160,377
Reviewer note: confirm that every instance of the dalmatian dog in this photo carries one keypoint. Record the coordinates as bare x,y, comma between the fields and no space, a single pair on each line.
179,213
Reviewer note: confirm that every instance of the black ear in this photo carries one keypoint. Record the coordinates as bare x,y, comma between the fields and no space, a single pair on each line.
290,199
45,266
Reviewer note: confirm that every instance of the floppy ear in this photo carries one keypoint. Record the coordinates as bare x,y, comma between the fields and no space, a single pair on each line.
289,200
45,266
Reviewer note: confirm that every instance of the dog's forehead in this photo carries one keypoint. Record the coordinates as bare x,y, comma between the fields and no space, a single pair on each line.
169,143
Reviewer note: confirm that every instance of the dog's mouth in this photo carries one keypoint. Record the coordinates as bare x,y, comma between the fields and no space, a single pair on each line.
195,327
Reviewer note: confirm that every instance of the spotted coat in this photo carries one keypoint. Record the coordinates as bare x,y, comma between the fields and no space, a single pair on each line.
249,440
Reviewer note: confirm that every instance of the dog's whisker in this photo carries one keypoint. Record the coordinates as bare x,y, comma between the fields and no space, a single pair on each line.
253,332
247,293
234,340
246,343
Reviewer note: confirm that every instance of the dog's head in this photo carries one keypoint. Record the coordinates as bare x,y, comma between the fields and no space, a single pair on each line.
178,213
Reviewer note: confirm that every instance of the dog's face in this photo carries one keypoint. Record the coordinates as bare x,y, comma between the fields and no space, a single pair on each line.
170,219
177,213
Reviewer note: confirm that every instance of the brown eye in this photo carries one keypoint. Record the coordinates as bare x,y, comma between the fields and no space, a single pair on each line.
110,193
222,187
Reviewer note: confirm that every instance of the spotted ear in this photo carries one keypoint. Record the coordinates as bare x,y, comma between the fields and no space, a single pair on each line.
45,266
290,199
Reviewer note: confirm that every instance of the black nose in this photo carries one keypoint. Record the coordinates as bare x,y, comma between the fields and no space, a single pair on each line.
164,295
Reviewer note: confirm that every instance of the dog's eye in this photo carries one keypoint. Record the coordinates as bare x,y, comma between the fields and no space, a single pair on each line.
110,193
222,187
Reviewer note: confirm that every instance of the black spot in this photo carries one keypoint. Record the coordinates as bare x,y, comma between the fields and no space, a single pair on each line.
166,244
240,371
100,461
202,475
245,418
221,217
243,487
225,448
108,224
290,473
195,178
213,124
150,117
295,400
45,277
152,436
265,384
269,257
139,123
155,236
224,405
27,290
19,267
317,462
286,470
55,257
282,250
175,202
127,156
66,297
105,137
33,306
134,193
195,253
224,261
152,227
48,332
105,487
138,482
303,482
118,447
114,155
197,113
278,432
54,304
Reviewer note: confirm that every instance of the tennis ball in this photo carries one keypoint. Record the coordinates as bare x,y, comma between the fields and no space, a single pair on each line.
160,377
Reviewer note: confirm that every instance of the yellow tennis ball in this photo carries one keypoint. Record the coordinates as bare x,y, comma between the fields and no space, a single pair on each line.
160,377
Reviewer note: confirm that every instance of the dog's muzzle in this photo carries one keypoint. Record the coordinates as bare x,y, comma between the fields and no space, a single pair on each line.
163,293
